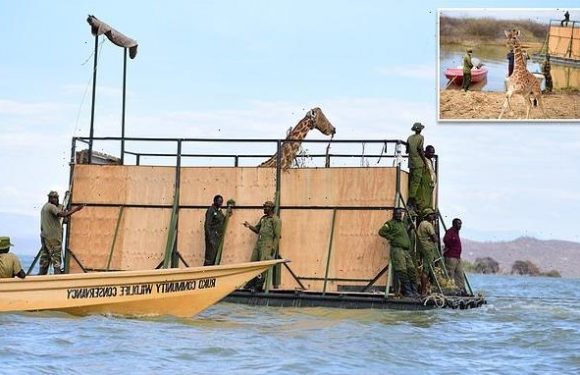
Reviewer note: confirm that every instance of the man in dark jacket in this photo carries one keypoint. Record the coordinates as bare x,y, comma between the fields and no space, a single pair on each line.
214,229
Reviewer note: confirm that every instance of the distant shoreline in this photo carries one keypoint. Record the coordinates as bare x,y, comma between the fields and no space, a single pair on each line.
470,32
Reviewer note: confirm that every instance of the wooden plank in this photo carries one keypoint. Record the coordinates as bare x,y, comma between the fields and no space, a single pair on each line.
123,184
247,186
91,235
305,238
360,187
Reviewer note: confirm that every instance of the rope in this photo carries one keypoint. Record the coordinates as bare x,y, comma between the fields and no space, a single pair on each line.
88,84
438,299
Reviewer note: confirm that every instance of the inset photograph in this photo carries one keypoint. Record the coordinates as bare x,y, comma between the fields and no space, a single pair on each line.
506,65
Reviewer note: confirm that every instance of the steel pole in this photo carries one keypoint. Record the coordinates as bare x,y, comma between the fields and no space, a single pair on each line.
92,130
124,101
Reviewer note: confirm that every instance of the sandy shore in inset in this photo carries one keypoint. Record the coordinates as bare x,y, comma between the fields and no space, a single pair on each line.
476,105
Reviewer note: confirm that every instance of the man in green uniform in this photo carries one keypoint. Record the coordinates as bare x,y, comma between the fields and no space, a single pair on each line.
9,263
546,71
214,229
395,231
51,233
467,65
428,181
428,242
416,162
268,229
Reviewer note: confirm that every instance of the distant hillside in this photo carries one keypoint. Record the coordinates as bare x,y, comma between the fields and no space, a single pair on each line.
470,31
563,256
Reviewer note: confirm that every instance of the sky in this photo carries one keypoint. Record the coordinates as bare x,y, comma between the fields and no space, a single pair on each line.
251,69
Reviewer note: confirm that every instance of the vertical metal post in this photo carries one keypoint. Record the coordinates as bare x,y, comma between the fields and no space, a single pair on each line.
66,259
273,273
121,209
436,182
398,187
329,251
174,254
171,258
123,111
278,173
92,129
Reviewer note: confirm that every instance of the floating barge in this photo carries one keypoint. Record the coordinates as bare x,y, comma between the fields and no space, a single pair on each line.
145,209
562,43
143,214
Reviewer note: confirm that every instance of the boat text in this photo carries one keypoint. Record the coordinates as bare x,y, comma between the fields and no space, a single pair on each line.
140,289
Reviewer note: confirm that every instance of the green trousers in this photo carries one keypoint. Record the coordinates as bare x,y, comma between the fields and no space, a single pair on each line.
425,193
415,176
466,81
403,263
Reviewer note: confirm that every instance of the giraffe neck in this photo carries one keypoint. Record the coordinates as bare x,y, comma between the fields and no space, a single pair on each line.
290,149
300,130
520,64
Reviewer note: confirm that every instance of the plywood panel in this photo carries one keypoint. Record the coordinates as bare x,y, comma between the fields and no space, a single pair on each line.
91,237
191,242
140,240
247,186
240,241
559,42
305,240
358,251
123,184
145,233
338,186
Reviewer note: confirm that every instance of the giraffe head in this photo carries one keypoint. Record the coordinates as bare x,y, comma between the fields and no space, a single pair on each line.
317,120
513,38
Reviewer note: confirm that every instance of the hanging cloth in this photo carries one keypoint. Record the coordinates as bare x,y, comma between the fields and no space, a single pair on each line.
99,28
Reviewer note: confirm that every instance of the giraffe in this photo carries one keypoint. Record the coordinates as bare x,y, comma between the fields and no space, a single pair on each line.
313,119
521,81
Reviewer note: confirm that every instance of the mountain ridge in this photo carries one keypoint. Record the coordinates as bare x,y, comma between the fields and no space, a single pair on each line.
560,255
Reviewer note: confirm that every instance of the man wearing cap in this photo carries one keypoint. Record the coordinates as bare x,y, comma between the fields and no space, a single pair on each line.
428,180
268,229
428,241
467,65
395,231
416,161
51,233
9,263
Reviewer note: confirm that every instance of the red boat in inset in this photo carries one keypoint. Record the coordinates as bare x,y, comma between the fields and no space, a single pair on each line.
456,75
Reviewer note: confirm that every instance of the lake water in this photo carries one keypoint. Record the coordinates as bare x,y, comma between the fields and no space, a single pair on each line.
529,326
494,58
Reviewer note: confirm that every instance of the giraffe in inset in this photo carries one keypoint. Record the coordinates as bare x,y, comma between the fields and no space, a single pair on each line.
521,81
314,119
